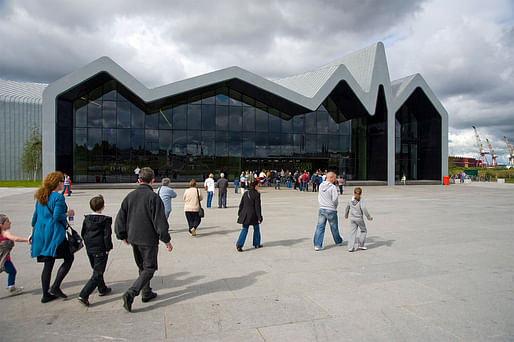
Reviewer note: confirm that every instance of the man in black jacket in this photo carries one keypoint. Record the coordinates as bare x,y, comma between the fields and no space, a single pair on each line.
222,184
141,222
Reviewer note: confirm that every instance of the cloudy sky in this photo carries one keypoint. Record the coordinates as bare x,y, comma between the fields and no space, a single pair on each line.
463,48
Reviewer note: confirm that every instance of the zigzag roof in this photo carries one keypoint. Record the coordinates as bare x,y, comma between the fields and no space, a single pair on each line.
364,71
21,91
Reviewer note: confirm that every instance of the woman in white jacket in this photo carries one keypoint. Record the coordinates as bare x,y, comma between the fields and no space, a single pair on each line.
357,211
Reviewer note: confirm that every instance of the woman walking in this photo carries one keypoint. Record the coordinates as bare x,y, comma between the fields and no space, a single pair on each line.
48,237
192,198
250,214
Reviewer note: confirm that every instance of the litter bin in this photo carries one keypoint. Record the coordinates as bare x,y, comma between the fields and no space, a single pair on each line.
446,180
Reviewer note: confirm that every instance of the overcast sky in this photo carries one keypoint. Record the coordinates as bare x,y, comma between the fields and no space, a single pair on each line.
464,48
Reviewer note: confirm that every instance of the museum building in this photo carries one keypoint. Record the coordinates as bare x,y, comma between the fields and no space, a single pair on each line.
99,123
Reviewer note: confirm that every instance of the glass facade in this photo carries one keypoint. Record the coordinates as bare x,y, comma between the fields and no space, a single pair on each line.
105,132
418,139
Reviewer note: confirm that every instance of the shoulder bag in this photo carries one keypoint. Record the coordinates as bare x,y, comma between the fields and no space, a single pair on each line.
201,213
74,239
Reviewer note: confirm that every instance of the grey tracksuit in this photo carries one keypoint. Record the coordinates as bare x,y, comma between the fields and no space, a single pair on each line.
357,211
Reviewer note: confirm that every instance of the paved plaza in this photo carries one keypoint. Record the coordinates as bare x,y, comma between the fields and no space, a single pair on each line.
440,267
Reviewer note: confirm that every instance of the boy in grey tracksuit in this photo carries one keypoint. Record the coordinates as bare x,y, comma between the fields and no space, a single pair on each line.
357,210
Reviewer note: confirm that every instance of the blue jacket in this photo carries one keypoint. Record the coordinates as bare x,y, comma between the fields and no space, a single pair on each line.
49,231
166,194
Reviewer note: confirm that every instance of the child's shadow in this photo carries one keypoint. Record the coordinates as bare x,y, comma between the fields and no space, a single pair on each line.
375,242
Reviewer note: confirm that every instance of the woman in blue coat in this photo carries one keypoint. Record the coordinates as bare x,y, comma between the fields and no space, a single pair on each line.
48,239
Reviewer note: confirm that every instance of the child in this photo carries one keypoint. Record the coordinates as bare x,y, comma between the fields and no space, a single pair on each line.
357,209
96,232
6,235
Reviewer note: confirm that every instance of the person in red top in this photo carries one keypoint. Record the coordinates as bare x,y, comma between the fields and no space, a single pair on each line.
5,235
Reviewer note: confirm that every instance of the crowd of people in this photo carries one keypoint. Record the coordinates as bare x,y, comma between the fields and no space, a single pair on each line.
299,180
142,221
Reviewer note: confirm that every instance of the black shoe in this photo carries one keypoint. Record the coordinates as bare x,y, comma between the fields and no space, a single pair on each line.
259,246
239,248
127,301
48,298
57,292
83,301
148,298
105,292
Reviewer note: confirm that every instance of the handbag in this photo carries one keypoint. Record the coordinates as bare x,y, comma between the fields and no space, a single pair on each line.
5,248
201,213
74,240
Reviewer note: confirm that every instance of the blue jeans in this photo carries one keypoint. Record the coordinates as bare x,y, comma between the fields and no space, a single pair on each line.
209,198
323,216
11,271
256,235
64,190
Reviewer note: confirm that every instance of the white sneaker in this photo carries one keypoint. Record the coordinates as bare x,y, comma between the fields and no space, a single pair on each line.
316,248
363,248
13,291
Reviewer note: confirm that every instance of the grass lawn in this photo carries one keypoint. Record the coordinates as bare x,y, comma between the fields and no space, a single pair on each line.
20,183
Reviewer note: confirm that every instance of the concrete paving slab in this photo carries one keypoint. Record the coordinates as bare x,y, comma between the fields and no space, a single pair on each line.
438,268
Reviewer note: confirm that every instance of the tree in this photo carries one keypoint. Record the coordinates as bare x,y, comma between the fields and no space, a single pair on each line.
32,154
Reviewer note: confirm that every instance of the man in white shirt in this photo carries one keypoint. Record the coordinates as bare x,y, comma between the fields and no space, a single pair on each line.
209,187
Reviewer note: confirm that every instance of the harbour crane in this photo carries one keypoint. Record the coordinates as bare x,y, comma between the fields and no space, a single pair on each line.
493,156
511,152
482,160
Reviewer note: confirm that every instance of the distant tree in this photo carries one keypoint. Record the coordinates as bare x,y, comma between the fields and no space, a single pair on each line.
31,159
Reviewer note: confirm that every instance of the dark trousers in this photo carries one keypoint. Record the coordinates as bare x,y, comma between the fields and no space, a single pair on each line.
63,251
98,262
222,199
146,261
193,219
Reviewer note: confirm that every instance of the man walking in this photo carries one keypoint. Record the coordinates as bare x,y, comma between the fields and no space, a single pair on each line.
328,200
222,184
141,222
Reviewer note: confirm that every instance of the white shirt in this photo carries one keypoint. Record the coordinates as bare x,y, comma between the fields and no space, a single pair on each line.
209,183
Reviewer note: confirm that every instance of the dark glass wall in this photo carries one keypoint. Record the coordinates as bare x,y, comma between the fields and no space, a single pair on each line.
216,130
418,139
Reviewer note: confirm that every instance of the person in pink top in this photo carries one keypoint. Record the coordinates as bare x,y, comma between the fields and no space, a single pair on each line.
340,182
8,266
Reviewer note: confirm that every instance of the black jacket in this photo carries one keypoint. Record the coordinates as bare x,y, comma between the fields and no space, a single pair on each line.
250,208
141,220
96,232
222,184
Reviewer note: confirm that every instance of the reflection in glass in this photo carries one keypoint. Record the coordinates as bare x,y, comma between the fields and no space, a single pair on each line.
94,115
109,113
235,119
261,120
248,119
123,114
221,144
180,117
165,140
194,117
152,120
221,118
137,116
165,118
179,141
208,117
